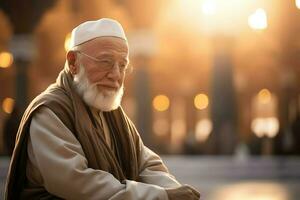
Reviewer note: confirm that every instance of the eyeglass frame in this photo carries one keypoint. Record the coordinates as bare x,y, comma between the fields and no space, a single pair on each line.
128,69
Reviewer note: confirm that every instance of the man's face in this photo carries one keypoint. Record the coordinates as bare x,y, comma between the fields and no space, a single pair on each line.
101,63
105,49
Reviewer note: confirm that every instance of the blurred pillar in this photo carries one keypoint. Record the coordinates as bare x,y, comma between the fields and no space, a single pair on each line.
223,108
24,16
142,47
288,37
23,49
143,102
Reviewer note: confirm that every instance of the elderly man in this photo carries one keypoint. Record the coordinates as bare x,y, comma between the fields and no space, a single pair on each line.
76,142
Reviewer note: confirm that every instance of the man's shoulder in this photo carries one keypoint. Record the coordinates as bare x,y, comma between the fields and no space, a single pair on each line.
54,96
58,101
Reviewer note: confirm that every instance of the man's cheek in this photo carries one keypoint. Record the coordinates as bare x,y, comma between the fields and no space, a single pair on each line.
95,77
99,88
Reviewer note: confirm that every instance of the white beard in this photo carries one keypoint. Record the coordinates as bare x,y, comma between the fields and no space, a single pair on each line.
102,100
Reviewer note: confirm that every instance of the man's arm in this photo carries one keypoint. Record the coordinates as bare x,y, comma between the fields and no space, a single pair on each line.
153,170
57,162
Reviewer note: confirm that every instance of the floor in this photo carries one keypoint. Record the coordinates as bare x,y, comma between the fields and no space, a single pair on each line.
232,178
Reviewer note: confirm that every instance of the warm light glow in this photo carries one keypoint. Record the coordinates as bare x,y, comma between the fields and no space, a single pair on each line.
203,129
161,127
298,4
211,17
178,130
67,41
258,190
161,103
6,59
7,105
201,101
209,7
258,20
264,96
265,127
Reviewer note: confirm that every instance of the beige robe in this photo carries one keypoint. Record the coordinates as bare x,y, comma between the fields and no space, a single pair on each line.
57,162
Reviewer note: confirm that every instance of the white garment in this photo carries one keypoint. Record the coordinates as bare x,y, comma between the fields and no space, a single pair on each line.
57,162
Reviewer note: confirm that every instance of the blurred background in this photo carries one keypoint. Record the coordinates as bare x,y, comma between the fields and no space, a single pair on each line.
215,87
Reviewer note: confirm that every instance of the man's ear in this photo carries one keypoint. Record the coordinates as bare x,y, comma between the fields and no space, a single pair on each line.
71,58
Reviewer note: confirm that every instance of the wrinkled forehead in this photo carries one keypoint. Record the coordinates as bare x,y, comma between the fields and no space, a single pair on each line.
106,44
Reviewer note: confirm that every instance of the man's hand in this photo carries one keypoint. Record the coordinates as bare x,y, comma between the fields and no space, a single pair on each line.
184,192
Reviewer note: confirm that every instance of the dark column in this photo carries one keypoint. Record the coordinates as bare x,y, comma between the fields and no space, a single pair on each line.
143,103
223,110
24,16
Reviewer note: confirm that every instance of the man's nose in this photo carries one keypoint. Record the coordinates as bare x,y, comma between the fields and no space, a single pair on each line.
115,72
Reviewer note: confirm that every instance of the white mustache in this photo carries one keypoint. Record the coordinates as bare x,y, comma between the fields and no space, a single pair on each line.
104,100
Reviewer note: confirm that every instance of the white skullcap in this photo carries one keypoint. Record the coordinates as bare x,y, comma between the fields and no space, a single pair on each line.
92,29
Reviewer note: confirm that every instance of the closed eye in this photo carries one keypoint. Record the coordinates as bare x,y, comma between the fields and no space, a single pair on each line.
106,62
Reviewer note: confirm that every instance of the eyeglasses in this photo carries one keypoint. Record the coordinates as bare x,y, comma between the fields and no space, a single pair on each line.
107,64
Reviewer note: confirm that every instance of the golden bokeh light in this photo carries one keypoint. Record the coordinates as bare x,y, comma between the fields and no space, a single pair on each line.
265,127
297,4
203,129
264,96
161,127
8,104
6,59
209,7
201,101
161,103
67,41
258,20
260,190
